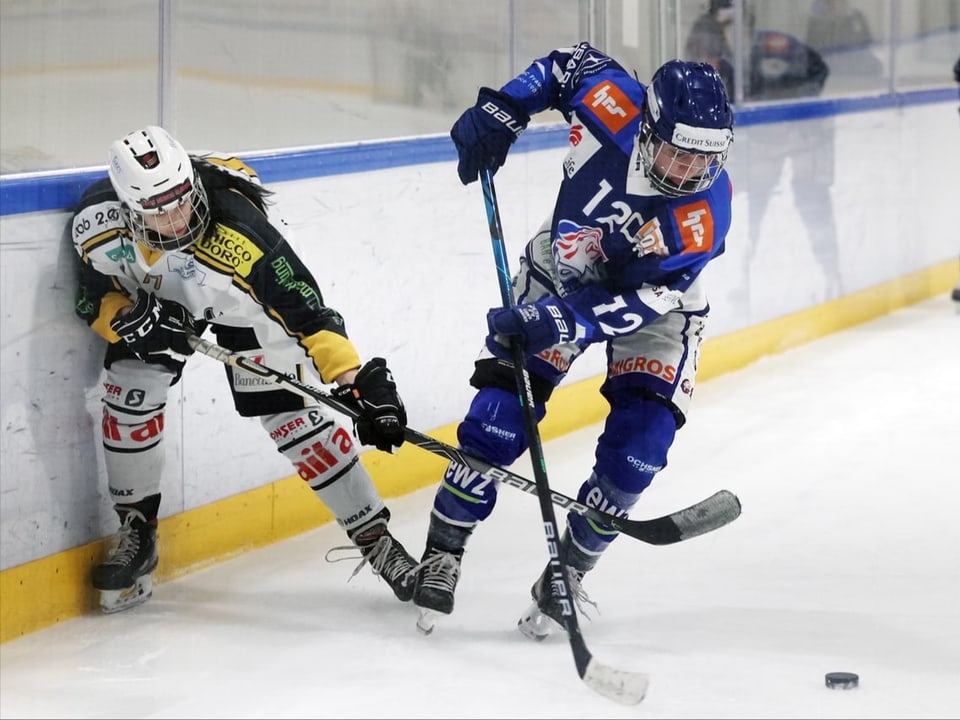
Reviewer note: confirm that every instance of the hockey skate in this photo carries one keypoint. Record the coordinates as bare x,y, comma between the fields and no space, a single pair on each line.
387,557
436,580
545,614
124,578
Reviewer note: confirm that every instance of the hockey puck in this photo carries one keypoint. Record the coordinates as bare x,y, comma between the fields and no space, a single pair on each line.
841,680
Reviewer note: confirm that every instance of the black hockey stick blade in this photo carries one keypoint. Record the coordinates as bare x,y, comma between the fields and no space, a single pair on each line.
721,508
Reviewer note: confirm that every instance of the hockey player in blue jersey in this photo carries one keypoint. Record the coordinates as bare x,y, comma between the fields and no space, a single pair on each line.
643,207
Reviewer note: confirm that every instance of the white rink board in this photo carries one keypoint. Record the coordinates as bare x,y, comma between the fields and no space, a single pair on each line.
405,255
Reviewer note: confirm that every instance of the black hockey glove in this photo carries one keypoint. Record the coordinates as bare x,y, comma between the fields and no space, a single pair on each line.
484,133
156,330
382,417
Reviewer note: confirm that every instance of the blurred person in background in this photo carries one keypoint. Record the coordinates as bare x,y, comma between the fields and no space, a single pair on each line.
709,40
841,34
779,64
780,67
835,25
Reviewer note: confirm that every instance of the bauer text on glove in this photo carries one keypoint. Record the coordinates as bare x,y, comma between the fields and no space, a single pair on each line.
382,418
154,329
537,325
484,133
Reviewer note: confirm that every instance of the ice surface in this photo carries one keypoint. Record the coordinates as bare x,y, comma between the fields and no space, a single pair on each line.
847,556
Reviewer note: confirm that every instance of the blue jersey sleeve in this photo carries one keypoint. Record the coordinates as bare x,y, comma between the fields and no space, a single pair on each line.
551,82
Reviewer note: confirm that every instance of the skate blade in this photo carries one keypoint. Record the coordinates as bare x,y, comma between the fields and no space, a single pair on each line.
536,625
114,601
427,620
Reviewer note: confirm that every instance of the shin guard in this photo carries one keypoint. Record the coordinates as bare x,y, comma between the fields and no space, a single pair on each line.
324,454
630,451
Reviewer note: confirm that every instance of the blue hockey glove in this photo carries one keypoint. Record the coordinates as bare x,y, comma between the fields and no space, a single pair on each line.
537,325
156,330
484,133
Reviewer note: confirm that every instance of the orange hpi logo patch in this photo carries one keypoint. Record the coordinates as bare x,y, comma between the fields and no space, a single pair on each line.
696,226
610,105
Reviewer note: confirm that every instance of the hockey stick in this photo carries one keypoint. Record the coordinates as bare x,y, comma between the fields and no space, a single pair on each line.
622,686
709,514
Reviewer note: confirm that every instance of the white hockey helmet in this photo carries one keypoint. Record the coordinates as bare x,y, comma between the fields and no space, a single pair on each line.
163,200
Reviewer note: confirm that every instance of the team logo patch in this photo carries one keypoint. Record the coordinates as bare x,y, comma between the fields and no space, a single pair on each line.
184,266
649,239
583,146
576,134
124,252
577,250
695,223
610,105
230,248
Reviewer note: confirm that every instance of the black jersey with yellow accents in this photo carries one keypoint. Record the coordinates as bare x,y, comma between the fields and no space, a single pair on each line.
242,273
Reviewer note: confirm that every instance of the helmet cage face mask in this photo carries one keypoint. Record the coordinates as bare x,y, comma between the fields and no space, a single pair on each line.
162,200
676,171
172,227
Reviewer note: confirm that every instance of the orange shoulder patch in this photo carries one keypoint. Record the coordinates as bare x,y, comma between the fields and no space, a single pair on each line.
696,226
610,105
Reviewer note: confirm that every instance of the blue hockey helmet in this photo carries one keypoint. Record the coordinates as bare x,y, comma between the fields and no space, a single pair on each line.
687,128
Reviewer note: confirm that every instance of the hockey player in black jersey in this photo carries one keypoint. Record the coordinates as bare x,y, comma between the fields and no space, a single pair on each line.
644,205
170,244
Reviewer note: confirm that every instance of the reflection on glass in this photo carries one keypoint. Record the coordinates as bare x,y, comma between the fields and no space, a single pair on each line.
264,74
74,75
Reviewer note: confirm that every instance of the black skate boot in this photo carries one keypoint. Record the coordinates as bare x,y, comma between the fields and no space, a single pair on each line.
437,576
123,578
438,572
387,557
546,614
